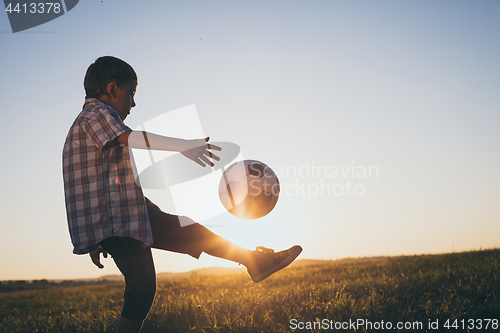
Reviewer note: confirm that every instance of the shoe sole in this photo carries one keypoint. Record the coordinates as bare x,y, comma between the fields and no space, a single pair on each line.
294,253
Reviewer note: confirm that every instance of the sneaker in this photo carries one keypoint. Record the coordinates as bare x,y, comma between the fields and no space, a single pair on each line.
264,262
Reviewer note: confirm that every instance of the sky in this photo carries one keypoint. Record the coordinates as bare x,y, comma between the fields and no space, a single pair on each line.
380,119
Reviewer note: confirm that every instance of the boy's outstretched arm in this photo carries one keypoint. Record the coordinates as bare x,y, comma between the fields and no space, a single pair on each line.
197,150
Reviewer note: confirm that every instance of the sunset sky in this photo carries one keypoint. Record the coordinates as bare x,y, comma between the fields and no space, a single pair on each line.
381,119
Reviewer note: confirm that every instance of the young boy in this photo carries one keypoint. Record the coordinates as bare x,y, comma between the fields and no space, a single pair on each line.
107,211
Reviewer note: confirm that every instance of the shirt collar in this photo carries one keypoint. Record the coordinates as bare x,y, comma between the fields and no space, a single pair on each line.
95,101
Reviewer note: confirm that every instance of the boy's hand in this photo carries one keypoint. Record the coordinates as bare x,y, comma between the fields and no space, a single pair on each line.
201,153
95,256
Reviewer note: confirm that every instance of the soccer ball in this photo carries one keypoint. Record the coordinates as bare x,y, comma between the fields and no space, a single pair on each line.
249,189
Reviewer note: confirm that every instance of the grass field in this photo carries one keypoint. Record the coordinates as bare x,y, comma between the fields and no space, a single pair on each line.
461,290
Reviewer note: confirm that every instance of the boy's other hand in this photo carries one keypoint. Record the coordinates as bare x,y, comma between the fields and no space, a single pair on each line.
96,258
200,153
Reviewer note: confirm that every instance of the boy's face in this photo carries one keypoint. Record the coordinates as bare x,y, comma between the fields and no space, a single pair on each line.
122,97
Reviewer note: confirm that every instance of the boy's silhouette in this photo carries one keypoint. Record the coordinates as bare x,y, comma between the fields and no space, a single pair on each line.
107,211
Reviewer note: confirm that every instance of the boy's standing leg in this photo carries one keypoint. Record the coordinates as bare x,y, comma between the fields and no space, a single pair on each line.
135,262
126,325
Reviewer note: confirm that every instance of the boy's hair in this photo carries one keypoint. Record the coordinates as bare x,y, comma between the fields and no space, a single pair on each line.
104,71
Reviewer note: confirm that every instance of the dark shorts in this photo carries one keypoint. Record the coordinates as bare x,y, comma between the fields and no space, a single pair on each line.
170,236
135,261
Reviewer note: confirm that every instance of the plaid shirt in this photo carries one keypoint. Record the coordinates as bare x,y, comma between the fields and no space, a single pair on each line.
102,197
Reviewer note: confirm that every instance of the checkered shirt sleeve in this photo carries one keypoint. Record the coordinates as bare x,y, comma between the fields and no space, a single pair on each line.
102,196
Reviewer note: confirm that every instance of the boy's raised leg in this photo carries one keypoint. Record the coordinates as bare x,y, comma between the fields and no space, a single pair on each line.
260,264
194,238
220,247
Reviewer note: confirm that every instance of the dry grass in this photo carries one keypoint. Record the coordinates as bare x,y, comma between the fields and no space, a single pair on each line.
408,289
